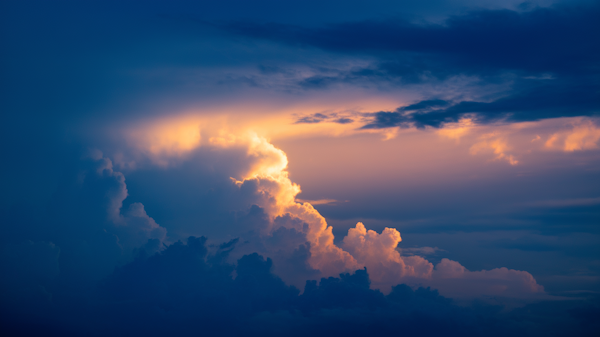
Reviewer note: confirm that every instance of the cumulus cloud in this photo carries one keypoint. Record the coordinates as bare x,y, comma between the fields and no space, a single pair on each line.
84,232
133,226
378,253
268,270
275,219
96,229
89,259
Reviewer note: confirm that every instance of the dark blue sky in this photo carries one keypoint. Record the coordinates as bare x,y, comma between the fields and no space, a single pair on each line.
233,167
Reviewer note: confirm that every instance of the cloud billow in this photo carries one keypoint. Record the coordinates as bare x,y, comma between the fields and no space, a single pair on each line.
107,267
187,286
85,251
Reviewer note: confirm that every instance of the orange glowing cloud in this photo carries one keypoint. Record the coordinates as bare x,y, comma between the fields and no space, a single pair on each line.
169,136
378,253
584,135
496,144
512,141
457,130
264,169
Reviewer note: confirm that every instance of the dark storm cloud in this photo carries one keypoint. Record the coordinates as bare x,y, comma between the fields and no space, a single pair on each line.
432,103
83,229
185,289
552,54
556,98
558,39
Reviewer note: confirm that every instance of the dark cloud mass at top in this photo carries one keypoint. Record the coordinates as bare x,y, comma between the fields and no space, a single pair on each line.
555,39
551,52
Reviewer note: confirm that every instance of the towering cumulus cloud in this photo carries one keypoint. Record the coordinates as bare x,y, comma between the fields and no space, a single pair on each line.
280,224
378,253
266,175
133,226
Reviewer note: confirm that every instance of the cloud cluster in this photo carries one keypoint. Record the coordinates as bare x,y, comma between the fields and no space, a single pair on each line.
584,135
270,216
91,229
85,251
190,286
256,204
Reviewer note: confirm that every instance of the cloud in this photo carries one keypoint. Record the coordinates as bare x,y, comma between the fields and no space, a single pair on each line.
320,117
504,141
138,280
521,104
525,51
262,176
378,253
134,227
272,222
584,136
507,39
254,201
495,144
188,285
455,280
83,219
82,233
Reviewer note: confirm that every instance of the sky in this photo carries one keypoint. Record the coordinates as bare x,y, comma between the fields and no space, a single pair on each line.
300,168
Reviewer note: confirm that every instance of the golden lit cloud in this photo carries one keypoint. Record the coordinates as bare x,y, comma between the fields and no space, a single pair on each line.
495,144
584,135
456,130
169,136
511,142
263,167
